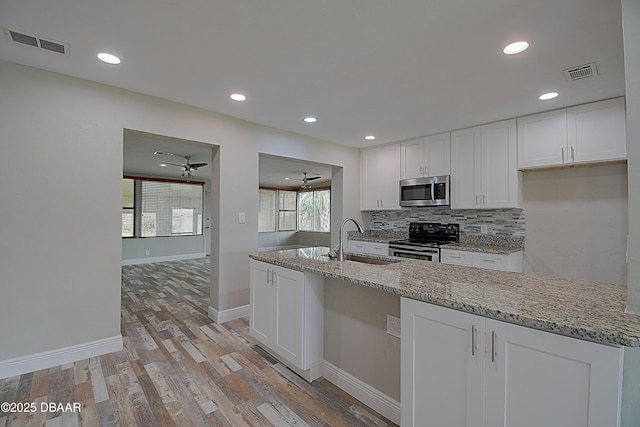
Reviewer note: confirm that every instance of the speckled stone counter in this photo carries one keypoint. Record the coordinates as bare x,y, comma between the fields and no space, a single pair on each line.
575,308
490,249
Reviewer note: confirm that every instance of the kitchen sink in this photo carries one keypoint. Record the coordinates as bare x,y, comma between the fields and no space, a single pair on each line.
369,260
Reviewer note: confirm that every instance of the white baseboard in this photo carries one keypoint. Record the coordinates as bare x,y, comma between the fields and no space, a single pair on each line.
148,260
61,356
362,391
229,314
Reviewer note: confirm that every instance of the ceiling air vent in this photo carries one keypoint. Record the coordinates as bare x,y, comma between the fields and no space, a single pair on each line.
581,72
36,41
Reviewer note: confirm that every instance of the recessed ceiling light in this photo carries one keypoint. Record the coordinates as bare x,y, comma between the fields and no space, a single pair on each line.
238,97
547,96
516,47
108,58
164,165
310,119
369,137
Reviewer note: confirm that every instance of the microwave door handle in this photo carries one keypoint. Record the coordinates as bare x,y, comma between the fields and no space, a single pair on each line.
433,191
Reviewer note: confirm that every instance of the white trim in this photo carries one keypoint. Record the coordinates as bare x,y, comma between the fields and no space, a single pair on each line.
134,261
362,391
61,356
229,314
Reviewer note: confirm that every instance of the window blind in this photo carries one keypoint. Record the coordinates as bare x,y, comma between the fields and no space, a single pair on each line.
171,209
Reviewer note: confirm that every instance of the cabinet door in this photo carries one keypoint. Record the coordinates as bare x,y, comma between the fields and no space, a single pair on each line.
542,139
412,158
535,378
390,178
437,155
597,131
261,292
380,177
499,165
442,374
288,319
371,165
465,170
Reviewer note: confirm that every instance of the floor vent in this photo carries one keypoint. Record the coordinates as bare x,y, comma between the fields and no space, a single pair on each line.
581,72
36,41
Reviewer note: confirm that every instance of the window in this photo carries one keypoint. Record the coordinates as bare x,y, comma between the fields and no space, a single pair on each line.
127,207
304,210
287,209
163,208
267,211
314,210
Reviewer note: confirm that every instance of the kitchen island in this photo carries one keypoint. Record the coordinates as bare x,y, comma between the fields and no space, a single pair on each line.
576,308
489,328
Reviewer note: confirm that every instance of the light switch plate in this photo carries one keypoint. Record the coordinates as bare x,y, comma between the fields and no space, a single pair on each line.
242,218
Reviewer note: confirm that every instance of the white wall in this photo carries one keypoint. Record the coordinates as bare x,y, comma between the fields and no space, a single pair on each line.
152,249
60,244
577,223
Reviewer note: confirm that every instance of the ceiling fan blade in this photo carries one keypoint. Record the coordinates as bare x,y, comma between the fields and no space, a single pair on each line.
197,165
312,178
175,164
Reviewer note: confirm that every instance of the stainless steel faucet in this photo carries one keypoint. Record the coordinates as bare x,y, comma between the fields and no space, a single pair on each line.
341,247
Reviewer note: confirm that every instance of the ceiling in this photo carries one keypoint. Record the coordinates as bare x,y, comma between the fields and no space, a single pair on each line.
274,171
395,69
139,158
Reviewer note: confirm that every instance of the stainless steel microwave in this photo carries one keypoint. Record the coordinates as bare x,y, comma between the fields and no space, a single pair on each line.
426,191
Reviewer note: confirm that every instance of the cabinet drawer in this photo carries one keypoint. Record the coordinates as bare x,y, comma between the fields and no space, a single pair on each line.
450,256
492,261
365,247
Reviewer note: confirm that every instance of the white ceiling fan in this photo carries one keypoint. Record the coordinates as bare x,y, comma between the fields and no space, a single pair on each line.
187,167
305,180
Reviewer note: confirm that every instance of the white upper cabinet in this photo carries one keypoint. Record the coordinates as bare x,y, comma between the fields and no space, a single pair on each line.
484,171
589,133
380,178
597,131
430,156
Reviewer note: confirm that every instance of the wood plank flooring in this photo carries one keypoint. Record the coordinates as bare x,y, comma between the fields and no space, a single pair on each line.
179,368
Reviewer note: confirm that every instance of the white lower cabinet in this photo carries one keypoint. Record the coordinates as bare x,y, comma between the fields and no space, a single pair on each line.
287,313
463,370
508,262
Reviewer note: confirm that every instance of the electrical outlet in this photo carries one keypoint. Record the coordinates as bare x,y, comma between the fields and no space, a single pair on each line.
483,228
146,252
393,325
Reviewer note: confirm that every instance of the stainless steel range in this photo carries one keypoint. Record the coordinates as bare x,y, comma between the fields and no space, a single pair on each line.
425,240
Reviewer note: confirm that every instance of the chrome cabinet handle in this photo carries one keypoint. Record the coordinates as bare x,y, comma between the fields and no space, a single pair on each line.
572,155
493,347
421,170
562,154
473,340
268,274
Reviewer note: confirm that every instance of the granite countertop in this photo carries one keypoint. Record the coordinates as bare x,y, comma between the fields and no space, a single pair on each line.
576,308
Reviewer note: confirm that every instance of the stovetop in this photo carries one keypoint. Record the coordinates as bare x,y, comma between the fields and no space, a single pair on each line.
430,234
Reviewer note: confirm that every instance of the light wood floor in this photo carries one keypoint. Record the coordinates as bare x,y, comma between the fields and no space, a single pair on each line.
178,368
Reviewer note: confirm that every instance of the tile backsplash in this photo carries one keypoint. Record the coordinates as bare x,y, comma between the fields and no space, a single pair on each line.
499,222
